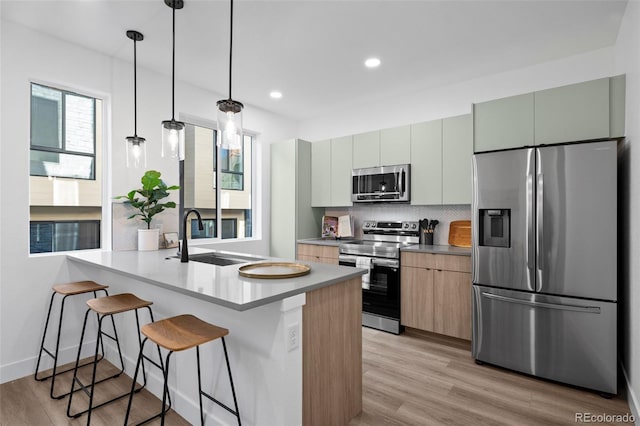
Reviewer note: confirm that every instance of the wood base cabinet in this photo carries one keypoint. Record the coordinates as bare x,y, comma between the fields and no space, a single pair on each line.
318,253
416,309
452,304
436,293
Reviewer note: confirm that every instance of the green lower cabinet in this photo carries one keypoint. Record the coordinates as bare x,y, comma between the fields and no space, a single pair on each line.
457,150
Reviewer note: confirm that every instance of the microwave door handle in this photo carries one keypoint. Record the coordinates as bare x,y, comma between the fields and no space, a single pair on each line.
401,179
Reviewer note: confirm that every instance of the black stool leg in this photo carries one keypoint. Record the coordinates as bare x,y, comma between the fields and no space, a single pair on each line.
165,391
233,391
95,367
133,382
44,335
199,386
75,370
54,355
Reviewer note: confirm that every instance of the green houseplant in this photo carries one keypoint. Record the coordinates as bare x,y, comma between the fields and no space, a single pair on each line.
147,202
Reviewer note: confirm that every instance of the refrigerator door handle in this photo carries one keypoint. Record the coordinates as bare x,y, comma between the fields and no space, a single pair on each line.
529,241
540,229
574,308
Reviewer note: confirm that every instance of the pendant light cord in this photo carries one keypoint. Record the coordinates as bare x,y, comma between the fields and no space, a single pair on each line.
173,64
230,46
135,90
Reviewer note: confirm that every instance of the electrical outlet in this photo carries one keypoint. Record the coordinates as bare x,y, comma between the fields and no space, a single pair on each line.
293,336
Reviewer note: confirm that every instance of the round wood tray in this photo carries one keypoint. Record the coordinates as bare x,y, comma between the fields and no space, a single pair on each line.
274,270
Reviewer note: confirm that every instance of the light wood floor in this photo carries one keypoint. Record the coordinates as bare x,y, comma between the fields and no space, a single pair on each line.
411,379
427,379
27,402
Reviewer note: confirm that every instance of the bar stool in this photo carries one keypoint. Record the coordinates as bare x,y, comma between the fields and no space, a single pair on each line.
107,307
178,334
64,290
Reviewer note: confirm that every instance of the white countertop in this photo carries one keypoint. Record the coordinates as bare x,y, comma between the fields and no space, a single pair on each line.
438,249
221,285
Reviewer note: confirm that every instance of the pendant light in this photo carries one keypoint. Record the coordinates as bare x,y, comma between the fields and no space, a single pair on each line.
172,130
230,111
136,148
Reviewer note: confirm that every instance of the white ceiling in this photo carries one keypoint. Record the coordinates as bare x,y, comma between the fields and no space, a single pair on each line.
313,51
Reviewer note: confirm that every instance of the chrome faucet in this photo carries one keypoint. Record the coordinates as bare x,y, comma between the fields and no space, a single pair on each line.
184,252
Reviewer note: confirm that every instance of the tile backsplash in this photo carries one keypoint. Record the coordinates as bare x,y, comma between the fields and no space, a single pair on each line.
445,214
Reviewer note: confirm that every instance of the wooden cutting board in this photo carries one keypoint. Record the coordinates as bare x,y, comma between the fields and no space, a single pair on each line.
460,233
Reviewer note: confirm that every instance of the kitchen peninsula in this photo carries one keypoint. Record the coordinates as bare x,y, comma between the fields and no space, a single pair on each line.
294,344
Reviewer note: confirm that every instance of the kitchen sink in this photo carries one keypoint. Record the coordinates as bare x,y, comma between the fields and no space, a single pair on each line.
222,259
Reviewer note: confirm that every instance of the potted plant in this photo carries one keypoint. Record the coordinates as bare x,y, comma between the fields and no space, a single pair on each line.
147,201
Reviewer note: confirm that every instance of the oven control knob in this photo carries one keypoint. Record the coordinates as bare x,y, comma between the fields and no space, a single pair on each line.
405,226
414,225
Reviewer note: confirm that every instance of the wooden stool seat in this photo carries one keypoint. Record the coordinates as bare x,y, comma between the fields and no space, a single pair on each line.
117,303
182,332
78,287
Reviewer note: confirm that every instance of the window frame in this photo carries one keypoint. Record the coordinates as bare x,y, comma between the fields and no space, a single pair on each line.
256,226
97,222
63,150
218,152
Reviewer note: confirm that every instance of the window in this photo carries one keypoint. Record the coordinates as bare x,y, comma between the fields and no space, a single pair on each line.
63,127
65,183
46,237
229,228
231,169
231,203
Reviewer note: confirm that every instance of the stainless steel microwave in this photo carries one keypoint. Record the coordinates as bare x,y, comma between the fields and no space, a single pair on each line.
381,184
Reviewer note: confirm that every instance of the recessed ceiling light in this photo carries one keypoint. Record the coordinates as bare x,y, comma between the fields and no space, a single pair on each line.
372,63
275,94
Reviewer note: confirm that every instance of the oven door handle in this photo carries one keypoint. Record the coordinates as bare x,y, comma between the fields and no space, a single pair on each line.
377,261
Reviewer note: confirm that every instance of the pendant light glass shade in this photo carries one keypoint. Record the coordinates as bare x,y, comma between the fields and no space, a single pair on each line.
136,146
136,152
172,130
173,139
230,111
230,124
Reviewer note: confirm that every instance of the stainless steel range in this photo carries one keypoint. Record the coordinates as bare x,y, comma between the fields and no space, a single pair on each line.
379,251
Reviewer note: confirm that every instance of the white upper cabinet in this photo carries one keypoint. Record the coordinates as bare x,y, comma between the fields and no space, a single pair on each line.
395,146
321,173
366,150
457,150
426,163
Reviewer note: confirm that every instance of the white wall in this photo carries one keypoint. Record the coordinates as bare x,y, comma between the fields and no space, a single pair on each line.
448,101
628,61
25,281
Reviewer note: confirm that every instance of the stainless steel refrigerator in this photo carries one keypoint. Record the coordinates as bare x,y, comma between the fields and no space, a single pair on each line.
544,262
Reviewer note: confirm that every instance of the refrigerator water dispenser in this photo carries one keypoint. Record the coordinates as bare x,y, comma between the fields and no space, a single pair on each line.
495,226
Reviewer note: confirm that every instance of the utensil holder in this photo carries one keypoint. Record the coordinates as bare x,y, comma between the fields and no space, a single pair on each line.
426,238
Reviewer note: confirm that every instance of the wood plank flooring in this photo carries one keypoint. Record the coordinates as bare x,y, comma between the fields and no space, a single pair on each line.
428,379
412,379
27,402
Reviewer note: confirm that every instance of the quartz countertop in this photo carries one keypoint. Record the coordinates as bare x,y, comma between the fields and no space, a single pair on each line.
438,249
322,242
221,285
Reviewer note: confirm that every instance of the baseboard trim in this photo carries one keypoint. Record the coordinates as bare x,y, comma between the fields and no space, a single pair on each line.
26,367
632,398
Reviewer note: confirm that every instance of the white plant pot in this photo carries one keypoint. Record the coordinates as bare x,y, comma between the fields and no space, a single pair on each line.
148,239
